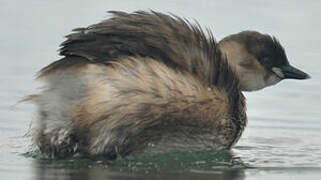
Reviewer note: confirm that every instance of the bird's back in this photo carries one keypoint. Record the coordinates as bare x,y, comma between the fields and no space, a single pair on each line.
174,41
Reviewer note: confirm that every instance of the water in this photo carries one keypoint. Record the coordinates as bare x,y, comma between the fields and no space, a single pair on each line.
281,141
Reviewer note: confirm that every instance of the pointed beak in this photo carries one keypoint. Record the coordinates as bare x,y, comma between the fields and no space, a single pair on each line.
290,72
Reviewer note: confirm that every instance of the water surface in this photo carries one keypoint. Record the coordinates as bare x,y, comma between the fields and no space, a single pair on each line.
281,141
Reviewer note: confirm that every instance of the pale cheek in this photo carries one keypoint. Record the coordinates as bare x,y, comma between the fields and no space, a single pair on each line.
273,79
252,82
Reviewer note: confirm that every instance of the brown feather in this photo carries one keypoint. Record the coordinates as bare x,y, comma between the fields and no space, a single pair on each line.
142,77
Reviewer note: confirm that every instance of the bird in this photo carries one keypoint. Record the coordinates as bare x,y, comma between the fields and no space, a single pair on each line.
147,82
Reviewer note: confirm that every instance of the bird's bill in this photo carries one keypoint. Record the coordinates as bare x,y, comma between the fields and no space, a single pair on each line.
290,72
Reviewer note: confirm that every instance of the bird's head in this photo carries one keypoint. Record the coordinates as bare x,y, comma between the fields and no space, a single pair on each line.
258,59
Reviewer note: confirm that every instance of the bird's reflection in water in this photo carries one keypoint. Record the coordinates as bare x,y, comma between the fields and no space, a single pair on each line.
218,166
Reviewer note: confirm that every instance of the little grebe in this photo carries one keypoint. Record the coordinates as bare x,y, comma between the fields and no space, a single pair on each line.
147,82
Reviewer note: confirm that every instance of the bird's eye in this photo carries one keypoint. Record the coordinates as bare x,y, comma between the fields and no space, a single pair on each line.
265,60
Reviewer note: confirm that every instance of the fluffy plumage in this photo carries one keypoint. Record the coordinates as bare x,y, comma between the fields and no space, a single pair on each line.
134,105
170,39
138,83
